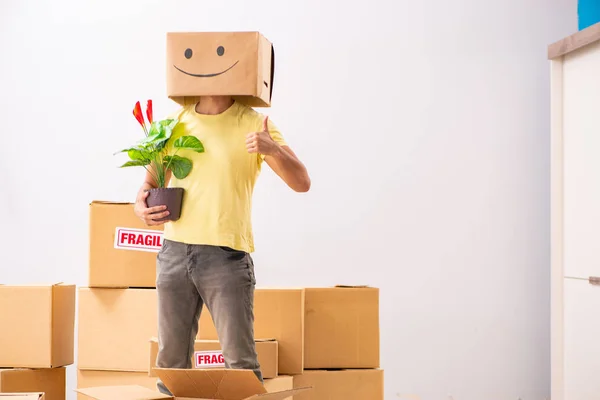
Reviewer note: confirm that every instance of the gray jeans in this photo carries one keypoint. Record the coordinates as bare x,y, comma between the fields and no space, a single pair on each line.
189,276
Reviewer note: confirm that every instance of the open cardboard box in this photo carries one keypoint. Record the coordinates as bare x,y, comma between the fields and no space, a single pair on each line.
205,384
22,396
266,349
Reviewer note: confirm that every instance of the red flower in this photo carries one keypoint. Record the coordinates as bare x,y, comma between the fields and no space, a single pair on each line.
137,113
149,111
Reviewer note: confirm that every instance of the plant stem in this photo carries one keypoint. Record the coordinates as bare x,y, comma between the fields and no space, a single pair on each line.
171,159
151,174
160,181
159,170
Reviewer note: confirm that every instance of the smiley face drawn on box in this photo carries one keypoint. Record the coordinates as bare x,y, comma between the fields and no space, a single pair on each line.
237,64
189,53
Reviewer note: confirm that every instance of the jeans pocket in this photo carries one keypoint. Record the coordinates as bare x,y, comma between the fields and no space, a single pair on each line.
162,249
233,254
250,266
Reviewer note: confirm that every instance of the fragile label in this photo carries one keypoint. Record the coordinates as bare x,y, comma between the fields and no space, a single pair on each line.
209,359
138,239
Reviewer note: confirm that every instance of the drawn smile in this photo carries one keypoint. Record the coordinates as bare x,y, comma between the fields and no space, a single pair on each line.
205,75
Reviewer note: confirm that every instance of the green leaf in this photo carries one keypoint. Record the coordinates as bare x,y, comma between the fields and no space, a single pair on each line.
160,130
169,126
135,163
160,144
189,143
165,124
127,150
157,132
153,138
139,154
180,166
169,123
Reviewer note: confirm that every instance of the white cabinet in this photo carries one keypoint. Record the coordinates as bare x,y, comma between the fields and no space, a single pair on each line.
575,214
581,343
581,161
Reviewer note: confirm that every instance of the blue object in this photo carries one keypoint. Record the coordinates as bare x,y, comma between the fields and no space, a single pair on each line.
588,13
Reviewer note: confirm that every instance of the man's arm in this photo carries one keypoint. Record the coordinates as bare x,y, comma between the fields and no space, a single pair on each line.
282,160
148,215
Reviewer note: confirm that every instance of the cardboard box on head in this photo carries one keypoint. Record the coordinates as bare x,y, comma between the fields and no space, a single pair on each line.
236,64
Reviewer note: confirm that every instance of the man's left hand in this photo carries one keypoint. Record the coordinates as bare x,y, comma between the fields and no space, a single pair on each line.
261,142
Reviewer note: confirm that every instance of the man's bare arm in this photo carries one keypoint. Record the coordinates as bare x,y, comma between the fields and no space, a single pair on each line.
284,162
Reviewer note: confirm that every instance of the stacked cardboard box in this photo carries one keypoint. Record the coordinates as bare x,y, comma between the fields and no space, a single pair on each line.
122,249
36,339
117,309
328,339
325,338
341,357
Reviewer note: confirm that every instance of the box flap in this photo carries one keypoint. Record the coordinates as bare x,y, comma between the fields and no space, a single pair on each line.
32,285
65,284
22,396
125,392
217,384
278,395
266,340
353,286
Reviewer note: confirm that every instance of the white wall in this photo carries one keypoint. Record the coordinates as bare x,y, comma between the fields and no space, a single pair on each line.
425,126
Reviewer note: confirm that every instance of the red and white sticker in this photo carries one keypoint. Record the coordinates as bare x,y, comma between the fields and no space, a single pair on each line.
138,239
209,359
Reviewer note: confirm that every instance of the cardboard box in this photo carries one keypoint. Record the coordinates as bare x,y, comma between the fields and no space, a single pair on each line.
122,248
341,328
37,325
279,384
86,379
278,313
196,384
237,64
360,384
207,354
22,396
114,328
50,381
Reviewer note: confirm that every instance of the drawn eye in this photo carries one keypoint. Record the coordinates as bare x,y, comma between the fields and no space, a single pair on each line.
220,50
188,53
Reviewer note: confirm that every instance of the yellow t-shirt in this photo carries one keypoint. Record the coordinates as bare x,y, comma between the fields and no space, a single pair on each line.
217,202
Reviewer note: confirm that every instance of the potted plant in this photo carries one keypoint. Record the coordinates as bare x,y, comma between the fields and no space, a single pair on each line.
157,158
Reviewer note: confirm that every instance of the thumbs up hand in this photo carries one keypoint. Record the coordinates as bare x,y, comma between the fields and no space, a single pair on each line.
261,142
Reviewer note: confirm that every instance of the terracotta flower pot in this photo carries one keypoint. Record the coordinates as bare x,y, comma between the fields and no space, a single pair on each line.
170,197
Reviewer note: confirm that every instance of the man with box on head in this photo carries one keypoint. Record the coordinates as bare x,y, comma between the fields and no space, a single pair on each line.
205,256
